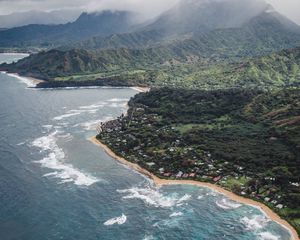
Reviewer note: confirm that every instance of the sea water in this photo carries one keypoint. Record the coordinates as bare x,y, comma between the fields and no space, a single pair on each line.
56,184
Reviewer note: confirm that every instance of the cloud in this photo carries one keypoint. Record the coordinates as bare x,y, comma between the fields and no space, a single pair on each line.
289,8
148,8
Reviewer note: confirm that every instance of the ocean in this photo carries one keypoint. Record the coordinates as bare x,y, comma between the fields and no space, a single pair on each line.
56,184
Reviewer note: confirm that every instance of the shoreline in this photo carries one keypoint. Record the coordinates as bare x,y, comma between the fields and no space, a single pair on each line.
163,182
32,82
29,81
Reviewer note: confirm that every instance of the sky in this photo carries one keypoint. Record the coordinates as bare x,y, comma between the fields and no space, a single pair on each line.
149,8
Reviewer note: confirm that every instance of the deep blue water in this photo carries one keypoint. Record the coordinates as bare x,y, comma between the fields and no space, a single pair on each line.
55,184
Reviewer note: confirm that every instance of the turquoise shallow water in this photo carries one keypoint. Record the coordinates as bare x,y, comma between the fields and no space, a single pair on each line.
55,184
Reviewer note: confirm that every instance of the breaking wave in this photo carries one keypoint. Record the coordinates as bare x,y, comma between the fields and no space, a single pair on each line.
54,160
118,100
176,214
117,220
72,113
268,236
93,108
153,197
92,125
228,204
25,80
255,222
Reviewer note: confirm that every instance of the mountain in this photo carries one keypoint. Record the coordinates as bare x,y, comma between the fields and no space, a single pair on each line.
119,68
194,19
86,26
158,55
196,16
19,19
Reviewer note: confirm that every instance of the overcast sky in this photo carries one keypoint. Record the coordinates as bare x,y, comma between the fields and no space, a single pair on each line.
290,8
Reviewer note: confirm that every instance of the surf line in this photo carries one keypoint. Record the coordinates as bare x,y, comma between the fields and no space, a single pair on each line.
163,182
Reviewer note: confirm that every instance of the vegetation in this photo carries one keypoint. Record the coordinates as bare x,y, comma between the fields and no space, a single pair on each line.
243,134
202,51
247,141
77,67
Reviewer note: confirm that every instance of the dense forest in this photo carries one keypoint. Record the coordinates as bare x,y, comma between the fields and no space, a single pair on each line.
247,141
266,72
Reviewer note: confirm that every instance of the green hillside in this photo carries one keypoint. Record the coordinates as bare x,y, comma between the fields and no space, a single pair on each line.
118,67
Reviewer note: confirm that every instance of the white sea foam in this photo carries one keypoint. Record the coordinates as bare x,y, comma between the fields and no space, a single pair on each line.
117,104
148,237
67,115
48,127
67,137
92,125
50,174
184,198
153,197
25,80
93,106
227,204
212,193
118,100
176,214
117,220
200,197
55,160
255,222
75,112
268,236
21,143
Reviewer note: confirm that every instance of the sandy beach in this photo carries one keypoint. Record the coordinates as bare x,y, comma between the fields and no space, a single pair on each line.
30,81
161,182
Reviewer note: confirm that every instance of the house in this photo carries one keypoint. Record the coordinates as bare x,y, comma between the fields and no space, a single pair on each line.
192,175
179,174
295,184
279,206
216,179
150,164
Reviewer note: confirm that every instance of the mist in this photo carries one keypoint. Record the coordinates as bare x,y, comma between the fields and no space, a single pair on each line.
148,8
289,8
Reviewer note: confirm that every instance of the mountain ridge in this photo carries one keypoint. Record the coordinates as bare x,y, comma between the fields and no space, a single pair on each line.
19,19
155,51
87,25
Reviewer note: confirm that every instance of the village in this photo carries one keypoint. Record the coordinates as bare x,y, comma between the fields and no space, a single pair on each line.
175,159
